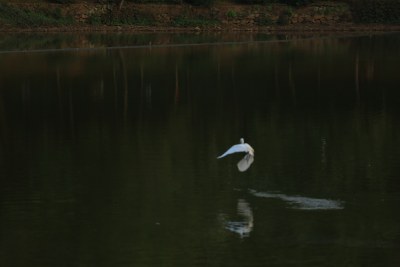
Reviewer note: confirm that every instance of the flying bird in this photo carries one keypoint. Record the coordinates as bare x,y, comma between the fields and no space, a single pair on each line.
245,162
242,147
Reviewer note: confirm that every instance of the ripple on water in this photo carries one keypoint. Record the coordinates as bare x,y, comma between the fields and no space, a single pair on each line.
303,203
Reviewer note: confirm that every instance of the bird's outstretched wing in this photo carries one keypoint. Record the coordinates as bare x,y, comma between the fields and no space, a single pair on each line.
245,162
234,149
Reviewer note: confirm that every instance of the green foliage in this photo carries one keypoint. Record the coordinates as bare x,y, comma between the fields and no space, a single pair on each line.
264,21
95,20
132,21
259,2
376,11
329,10
231,14
63,1
200,2
32,18
288,2
120,20
284,17
296,2
183,21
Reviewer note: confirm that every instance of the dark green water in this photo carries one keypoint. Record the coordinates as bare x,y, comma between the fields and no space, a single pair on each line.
108,157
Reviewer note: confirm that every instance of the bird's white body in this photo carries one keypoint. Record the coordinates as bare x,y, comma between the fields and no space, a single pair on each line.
242,147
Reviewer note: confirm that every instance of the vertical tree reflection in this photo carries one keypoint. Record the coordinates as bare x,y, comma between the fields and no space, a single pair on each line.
356,75
176,97
124,82
3,122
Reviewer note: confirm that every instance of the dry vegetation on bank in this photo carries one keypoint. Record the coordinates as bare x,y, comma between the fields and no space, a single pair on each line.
168,15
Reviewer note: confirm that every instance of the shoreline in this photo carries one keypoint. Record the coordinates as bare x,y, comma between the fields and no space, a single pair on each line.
302,29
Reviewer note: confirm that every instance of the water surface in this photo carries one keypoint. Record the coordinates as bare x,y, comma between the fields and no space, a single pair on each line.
108,156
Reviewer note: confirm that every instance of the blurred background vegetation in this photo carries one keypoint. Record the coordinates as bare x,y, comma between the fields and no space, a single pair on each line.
363,11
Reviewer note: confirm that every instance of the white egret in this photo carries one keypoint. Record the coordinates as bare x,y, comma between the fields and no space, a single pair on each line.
242,147
245,162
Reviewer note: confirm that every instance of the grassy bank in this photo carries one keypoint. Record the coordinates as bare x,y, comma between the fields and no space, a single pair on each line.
40,15
15,16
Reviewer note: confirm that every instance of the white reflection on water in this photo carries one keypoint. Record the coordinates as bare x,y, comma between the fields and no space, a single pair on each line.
303,203
244,226
245,162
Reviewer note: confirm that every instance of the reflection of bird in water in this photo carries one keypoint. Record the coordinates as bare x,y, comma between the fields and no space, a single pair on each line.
242,147
245,226
248,159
